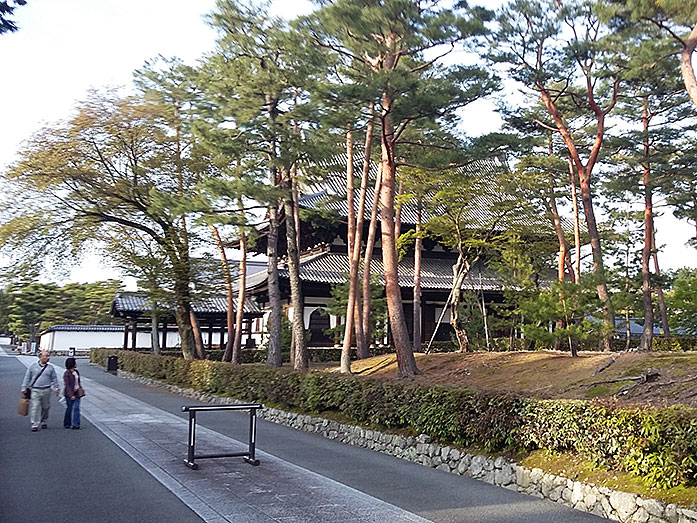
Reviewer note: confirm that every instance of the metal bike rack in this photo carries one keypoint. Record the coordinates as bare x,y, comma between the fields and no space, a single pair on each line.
248,456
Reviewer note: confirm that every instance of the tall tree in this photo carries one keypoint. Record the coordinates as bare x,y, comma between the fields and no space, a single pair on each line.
257,81
391,45
109,168
682,303
558,49
471,234
30,300
677,18
659,113
7,8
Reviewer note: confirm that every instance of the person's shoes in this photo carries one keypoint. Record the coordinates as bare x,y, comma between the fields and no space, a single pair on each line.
75,428
35,429
66,426
44,426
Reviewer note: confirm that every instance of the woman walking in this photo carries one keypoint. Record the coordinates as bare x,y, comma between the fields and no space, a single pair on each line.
73,392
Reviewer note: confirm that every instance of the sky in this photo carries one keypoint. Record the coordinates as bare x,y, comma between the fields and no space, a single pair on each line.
64,48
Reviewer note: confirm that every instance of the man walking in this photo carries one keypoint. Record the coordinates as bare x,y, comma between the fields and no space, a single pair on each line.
39,379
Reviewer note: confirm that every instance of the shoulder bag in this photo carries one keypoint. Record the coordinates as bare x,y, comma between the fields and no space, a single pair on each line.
79,392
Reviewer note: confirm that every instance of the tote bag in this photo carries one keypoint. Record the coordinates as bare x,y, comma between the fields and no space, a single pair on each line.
23,406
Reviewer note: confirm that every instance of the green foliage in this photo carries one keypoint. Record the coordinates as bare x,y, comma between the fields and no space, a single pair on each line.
682,302
657,444
564,302
7,24
405,242
378,308
32,307
675,343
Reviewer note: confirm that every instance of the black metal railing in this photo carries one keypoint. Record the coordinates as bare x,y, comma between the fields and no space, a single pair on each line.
248,456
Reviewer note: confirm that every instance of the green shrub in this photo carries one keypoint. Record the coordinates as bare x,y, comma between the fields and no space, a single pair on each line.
675,343
657,444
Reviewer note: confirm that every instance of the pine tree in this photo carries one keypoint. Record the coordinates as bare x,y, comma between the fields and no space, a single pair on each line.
386,44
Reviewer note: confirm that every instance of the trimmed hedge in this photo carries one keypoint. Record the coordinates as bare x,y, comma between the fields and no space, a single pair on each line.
675,343
657,444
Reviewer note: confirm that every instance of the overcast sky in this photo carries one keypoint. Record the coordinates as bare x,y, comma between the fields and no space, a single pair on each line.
66,47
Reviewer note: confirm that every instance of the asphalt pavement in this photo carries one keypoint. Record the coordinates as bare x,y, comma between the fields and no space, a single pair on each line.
127,464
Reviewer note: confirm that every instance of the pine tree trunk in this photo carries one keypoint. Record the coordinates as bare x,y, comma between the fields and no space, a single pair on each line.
627,319
564,256
598,266
353,268
577,223
561,239
274,321
406,362
227,276
398,213
686,70
154,332
647,332
241,296
300,361
182,310
417,282
663,310
274,325
186,334
361,338
198,337
368,258
587,200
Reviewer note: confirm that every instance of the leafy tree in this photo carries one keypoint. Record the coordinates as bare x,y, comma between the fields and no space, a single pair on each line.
523,264
7,8
560,51
659,114
682,303
458,222
256,84
569,306
675,17
389,45
680,188
82,304
30,301
108,172
5,300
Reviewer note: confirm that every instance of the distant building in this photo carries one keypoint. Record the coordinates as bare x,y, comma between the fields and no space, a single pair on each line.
61,338
324,260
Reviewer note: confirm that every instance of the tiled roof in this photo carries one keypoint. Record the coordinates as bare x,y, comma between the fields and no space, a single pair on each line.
126,302
330,193
436,274
84,328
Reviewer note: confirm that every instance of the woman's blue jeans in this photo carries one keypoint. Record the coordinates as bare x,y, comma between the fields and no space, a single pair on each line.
72,413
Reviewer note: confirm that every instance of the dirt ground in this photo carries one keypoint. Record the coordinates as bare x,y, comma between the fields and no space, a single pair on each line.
664,378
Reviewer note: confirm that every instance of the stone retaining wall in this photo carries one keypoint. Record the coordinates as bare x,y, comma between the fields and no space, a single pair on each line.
602,501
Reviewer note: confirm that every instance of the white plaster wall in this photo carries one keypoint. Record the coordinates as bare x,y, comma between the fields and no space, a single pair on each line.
63,340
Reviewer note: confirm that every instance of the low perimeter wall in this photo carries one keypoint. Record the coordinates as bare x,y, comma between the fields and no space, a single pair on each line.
602,501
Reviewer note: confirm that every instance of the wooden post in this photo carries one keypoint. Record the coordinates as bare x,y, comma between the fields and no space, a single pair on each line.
210,334
125,336
134,334
164,335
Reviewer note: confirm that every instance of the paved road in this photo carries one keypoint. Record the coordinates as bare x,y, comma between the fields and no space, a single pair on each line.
130,458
